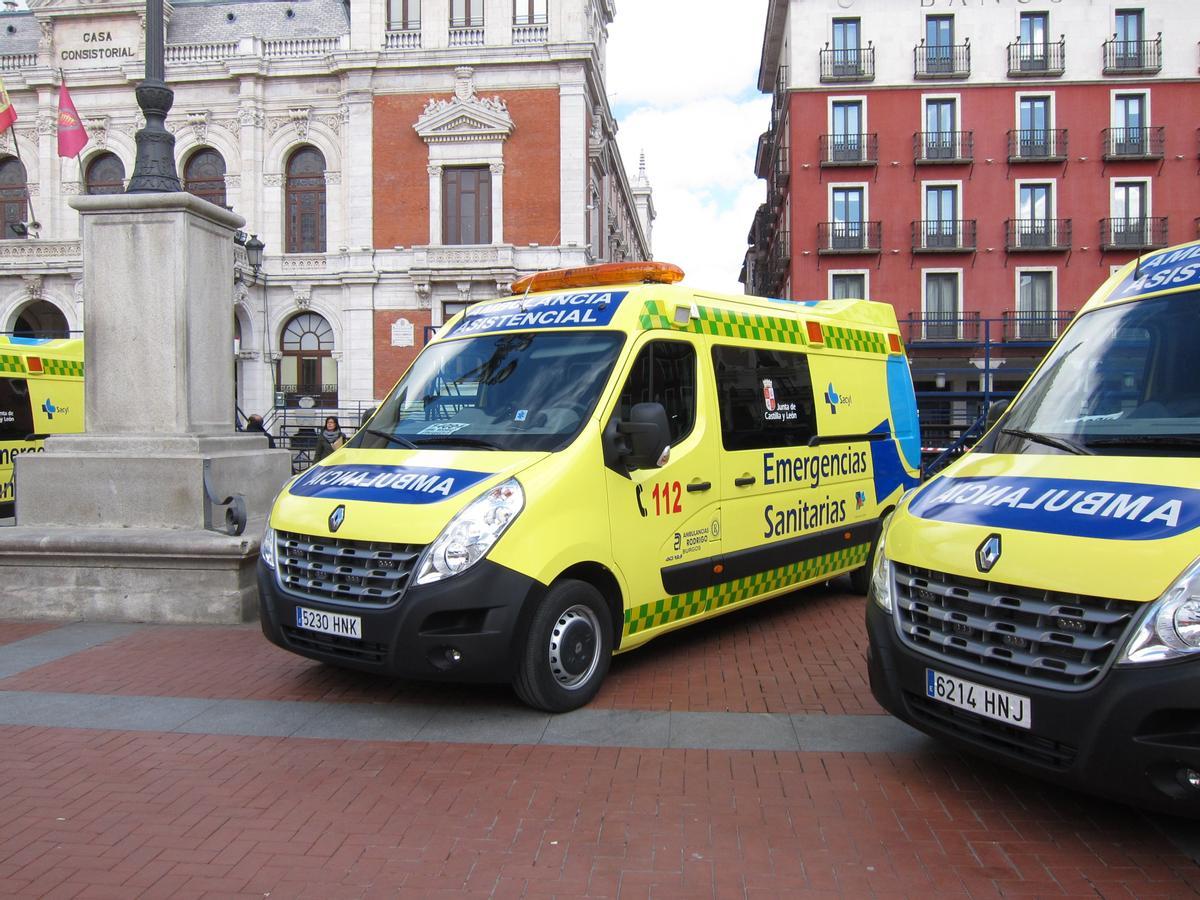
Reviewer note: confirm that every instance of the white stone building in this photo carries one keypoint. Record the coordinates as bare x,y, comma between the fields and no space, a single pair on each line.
398,158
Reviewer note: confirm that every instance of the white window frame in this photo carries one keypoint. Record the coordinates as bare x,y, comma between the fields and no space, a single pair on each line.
925,298
860,99
1147,185
1053,218
866,276
1051,118
1112,109
1026,270
958,118
864,186
958,206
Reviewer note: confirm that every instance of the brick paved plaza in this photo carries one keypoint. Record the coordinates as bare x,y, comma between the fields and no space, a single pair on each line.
743,757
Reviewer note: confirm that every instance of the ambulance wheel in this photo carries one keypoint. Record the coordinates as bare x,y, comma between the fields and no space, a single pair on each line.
567,648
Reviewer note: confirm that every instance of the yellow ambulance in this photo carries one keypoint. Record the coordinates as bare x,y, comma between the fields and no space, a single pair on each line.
41,393
601,458
1038,602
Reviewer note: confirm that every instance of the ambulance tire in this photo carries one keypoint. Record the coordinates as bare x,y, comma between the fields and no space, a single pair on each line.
567,648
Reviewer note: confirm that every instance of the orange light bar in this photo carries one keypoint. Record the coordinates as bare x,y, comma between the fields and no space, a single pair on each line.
34,364
894,342
596,276
815,335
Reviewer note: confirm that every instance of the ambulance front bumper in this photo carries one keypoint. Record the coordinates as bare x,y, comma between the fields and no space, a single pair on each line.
1132,737
465,628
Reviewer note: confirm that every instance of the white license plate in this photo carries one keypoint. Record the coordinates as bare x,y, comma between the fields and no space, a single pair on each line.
1002,706
329,623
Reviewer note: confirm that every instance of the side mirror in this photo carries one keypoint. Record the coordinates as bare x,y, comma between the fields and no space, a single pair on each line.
995,411
648,433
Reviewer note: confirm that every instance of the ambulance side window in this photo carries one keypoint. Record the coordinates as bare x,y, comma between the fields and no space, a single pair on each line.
664,372
16,418
765,397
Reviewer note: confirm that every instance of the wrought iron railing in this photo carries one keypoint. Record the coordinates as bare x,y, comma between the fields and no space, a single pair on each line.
941,327
849,149
849,64
943,147
1037,144
1036,59
1037,234
1139,233
942,60
1132,57
943,236
849,237
1143,142
1037,325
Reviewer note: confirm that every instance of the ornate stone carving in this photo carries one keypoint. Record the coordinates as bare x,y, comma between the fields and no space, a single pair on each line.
496,168
300,118
434,171
466,117
97,129
250,116
240,293
233,182
47,125
464,291
295,263
46,38
302,295
33,189
33,286
69,188
273,180
333,178
199,124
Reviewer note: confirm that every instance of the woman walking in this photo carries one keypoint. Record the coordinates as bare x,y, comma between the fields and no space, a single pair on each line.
330,438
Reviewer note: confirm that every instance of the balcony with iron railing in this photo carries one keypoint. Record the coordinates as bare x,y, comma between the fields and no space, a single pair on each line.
943,236
943,147
937,61
1132,57
1034,325
1029,59
1140,233
848,65
948,328
1037,235
835,238
779,262
849,150
779,97
308,396
1031,145
1145,142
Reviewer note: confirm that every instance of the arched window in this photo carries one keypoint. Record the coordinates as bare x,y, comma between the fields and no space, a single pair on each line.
105,174
41,319
305,201
307,368
204,175
14,195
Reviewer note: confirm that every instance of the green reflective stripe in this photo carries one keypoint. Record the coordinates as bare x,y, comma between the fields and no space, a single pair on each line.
11,364
839,337
66,368
682,606
726,323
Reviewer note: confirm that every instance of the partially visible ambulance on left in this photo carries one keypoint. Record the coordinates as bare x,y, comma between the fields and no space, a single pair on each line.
41,393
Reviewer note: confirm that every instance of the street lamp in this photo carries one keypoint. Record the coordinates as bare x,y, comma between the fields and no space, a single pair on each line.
254,253
154,166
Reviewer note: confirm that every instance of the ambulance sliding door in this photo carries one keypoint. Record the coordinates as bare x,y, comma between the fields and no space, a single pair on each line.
666,518
789,500
16,424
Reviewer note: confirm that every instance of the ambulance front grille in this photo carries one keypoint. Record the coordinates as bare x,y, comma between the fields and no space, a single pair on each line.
1040,638
364,573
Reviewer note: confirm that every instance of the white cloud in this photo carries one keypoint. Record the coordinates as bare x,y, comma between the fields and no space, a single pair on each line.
682,78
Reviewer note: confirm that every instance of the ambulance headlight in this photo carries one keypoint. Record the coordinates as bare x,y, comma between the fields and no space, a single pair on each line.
267,548
471,533
1170,629
881,572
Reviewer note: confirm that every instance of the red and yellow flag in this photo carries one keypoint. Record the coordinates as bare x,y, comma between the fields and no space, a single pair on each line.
8,113
72,136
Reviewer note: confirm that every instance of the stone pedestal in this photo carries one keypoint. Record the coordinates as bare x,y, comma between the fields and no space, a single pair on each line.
111,524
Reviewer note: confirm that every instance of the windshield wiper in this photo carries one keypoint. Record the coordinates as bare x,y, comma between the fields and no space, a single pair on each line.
1049,440
1147,440
392,438
461,441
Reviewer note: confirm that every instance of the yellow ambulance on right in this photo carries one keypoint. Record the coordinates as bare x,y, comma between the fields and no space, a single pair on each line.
1038,601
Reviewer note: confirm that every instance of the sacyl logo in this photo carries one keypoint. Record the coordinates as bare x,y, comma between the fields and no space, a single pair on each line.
988,553
337,517
832,398
49,409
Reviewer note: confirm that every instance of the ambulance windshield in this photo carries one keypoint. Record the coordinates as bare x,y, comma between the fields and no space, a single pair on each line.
516,391
1123,381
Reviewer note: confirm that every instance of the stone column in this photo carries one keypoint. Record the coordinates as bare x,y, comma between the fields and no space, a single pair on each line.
116,523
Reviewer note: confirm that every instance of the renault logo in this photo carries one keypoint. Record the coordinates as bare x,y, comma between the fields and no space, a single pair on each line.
988,553
337,517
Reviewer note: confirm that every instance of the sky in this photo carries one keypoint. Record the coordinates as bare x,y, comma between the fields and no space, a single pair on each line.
682,82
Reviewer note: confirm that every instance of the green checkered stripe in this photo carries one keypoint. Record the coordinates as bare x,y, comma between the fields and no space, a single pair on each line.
839,337
726,323
64,368
9,363
683,606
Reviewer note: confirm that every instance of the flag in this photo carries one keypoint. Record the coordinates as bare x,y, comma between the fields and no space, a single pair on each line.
71,134
8,113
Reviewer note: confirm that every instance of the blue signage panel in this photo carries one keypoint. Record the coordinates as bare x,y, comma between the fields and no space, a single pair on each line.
1114,510
583,309
384,484
1160,272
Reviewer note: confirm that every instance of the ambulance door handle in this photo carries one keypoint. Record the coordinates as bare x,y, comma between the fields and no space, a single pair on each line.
697,487
744,481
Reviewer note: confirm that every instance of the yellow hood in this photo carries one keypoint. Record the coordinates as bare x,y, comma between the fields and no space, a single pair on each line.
392,496
1102,526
